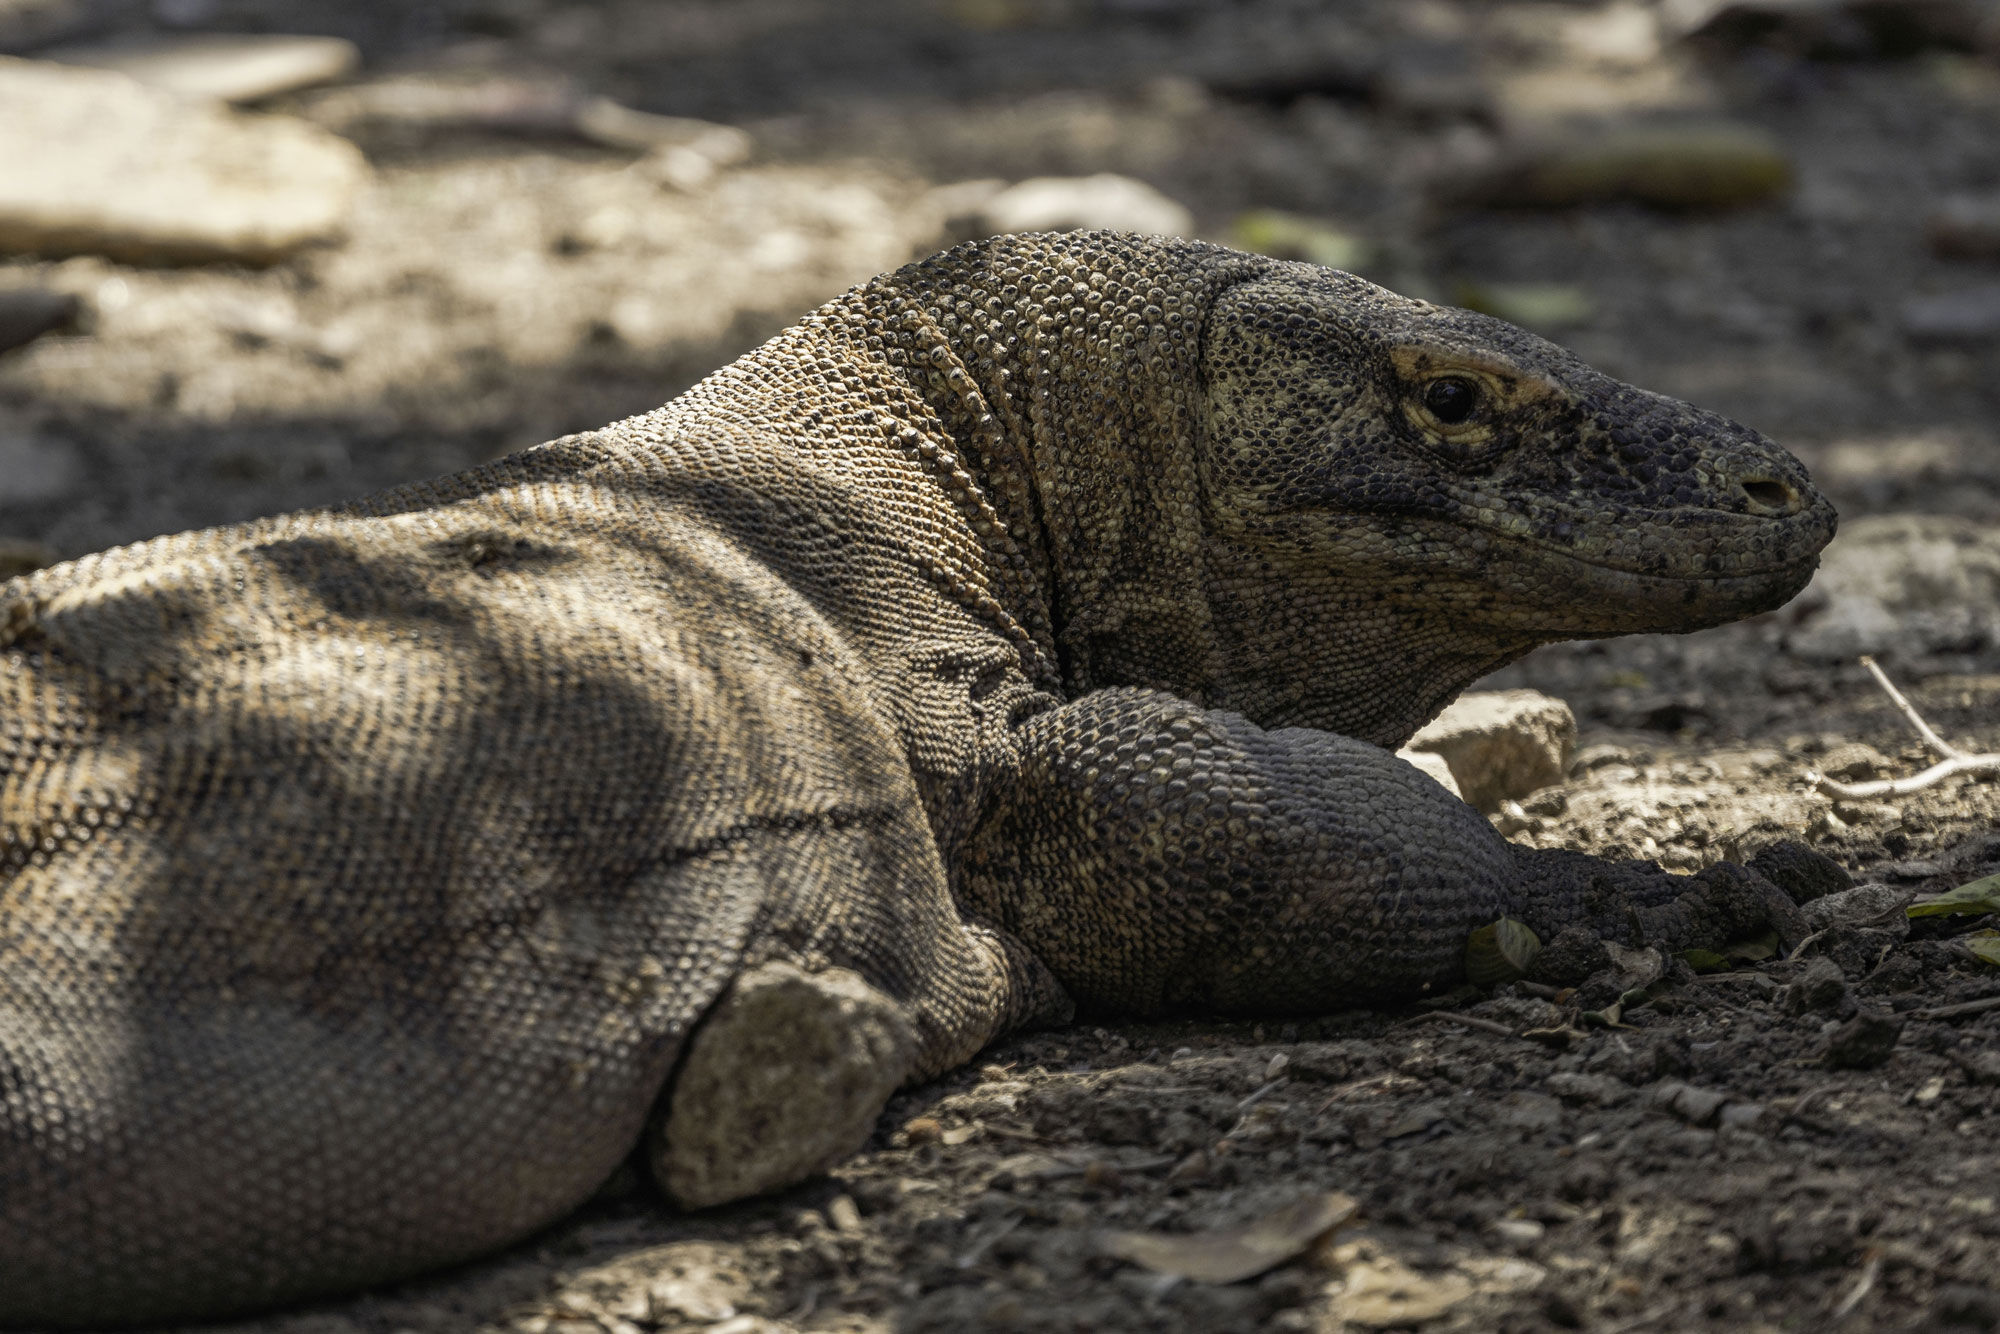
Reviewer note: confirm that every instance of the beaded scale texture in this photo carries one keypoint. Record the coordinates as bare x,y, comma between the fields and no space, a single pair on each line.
1019,633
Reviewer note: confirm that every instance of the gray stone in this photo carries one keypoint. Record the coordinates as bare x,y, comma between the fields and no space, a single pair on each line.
783,1077
1071,203
1853,760
1903,582
1696,1106
1501,745
1742,1115
1864,1042
1597,1090
1535,1112
1874,905
1819,989
228,67
99,163
1517,1233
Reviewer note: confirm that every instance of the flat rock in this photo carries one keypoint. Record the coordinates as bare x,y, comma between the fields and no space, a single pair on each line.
1901,583
1501,744
1434,767
1384,1293
99,163
1875,904
228,67
1072,203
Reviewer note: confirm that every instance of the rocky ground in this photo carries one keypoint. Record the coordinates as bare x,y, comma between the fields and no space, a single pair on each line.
1765,1145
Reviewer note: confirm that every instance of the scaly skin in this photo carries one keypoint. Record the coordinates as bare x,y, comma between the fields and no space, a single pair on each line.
1021,630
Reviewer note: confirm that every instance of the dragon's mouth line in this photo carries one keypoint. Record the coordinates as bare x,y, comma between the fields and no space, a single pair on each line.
1806,561
1571,556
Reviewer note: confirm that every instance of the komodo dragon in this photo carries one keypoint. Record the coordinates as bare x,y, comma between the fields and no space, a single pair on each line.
1023,631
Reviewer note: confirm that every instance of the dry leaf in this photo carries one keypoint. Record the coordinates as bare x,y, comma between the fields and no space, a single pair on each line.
1226,1255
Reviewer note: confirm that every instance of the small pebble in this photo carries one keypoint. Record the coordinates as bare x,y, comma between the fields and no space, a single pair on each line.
1818,990
1599,1090
1741,1115
1868,812
844,1214
1697,1107
1863,903
1851,760
1519,1233
1863,1042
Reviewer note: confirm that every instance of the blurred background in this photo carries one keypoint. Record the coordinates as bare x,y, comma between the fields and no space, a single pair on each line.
256,254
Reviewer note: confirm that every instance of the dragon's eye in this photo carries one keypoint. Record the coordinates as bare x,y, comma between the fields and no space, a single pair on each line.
1451,399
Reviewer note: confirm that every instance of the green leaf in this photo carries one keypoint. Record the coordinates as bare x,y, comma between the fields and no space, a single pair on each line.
1704,961
1611,1016
1981,896
1293,236
1753,950
1500,952
1984,945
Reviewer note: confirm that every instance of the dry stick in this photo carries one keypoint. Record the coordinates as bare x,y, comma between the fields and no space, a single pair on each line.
1961,1008
1862,1287
1955,761
1464,1021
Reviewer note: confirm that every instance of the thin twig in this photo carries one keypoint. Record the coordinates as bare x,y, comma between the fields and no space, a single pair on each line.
1498,1030
1955,761
1931,739
1010,1132
1258,1096
1862,1287
1902,787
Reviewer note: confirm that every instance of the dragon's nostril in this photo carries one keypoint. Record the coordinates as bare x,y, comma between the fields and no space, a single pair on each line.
1769,494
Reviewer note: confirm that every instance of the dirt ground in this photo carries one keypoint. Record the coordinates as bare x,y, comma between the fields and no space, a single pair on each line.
1702,1164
